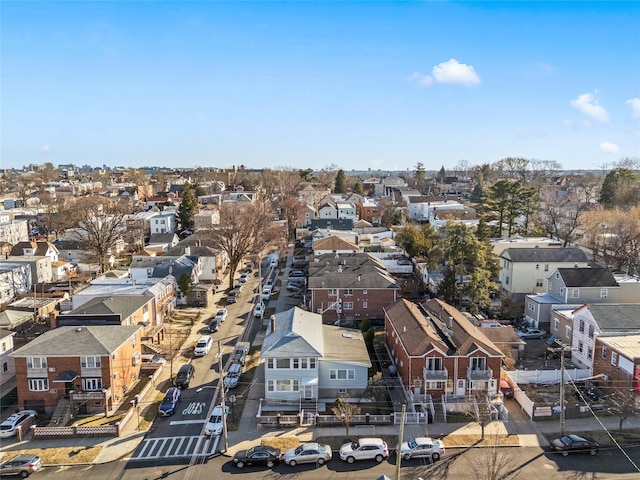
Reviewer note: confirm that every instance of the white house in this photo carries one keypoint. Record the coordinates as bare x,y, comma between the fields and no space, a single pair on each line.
602,319
7,366
163,222
306,361
525,270
346,210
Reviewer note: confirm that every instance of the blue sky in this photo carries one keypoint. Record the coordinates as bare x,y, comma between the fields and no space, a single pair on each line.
310,84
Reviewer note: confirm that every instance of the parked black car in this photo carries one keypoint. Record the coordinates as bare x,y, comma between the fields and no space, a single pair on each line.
574,443
257,456
184,376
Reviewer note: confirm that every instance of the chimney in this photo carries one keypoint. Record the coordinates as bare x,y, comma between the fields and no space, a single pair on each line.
450,322
273,323
359,277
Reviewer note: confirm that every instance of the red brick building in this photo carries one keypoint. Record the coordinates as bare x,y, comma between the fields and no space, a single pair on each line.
437,351
350,287
92,366
616,361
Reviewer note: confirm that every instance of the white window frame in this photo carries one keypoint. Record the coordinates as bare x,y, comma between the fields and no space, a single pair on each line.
92,384
90,362
36,363
349,374
556,325
333,292
365,305
614,358
603,354
604,292
38,384
347,305
348,292
575,293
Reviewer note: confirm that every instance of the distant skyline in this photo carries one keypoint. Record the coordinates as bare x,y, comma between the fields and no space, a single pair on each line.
359,85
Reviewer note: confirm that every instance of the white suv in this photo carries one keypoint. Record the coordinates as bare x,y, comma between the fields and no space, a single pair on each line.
364,449
9,427
214,425
203,346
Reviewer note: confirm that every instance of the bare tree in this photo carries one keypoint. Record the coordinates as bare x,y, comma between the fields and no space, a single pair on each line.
244,230
479,411
492,462
98,224
345,411
623,404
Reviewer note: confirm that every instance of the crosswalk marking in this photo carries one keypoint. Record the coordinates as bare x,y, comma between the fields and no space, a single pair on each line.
176,447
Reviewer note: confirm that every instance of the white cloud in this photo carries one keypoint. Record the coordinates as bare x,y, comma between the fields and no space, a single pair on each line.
567,123
450,71
609,147
421,80
453,71
45,148
635,106
587,104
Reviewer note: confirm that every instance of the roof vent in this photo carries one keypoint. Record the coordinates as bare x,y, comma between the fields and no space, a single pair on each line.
346,335
79,329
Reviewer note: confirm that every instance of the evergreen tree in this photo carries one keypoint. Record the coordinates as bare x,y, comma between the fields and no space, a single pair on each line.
357,188
340,182
187,209
420,174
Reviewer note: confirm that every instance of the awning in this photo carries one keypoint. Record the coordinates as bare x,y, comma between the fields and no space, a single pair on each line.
309,380
67,376
551,341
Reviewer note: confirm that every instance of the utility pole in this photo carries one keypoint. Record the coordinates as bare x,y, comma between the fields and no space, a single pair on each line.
222,395
400,438
562,413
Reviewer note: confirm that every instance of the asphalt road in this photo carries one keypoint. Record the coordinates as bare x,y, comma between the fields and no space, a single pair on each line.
459,464
180,437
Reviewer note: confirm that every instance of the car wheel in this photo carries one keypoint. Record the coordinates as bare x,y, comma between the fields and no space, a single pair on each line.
292,463
350,459
24,474
593,451
270,463
240,464
321,461
407,456
565,453
379,458
436,457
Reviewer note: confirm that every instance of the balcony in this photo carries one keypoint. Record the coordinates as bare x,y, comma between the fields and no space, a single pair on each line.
479,374
435,375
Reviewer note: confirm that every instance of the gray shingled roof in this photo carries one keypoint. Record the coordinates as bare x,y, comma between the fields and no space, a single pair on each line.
587,277
125,305
358,270
616,316
298,333
78,341
549,255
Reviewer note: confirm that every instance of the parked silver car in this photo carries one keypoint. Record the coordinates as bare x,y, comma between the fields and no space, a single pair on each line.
22,465
308,453
422,447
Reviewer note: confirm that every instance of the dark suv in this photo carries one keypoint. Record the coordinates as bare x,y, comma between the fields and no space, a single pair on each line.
184,376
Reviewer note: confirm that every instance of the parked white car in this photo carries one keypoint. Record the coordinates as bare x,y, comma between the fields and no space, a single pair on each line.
203,346
215,424
258,311
422,447
364,449
9,427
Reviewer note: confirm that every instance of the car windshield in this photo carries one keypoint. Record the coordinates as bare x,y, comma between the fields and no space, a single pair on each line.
412,444
215,419
299,450
168,400
355,446
202,344
566,440
322,448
